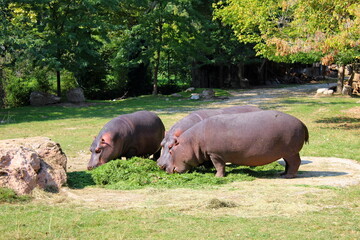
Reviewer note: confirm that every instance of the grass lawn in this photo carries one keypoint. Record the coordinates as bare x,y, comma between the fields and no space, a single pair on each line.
334,126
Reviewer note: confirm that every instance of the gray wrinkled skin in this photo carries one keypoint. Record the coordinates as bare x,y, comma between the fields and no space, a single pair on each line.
250,139
136,134
190,120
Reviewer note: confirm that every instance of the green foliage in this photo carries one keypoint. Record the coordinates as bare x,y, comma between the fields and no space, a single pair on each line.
17,91
9,196
296,31
138,173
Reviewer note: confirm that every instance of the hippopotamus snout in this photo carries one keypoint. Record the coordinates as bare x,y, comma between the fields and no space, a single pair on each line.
92,166
165,166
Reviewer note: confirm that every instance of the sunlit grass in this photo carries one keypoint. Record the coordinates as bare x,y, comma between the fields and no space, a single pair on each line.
334,132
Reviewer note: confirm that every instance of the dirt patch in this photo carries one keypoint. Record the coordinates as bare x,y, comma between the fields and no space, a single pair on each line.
317,179
353,112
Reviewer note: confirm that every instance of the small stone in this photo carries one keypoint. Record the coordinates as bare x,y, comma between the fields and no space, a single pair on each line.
195,96
321,90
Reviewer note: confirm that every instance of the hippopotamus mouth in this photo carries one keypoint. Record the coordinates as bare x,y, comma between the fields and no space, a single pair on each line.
101,162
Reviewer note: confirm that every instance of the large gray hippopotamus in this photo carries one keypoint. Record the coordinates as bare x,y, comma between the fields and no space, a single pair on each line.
136,134
190,120
251,139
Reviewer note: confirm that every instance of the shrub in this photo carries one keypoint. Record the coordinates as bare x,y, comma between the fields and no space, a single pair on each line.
17,91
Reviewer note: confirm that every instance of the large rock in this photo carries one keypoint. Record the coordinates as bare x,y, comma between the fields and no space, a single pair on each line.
208,94
32,162
41,99
75,95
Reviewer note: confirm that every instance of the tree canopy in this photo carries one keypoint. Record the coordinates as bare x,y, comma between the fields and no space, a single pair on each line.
115,47
296,30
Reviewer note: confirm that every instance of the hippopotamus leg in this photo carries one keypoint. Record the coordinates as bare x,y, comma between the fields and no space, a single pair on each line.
292,166
131,153
157,155
219,165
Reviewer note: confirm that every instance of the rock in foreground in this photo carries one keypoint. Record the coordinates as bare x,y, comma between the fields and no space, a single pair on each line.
27,163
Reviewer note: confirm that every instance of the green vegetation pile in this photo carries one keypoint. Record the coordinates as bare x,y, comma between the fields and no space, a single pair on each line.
138,173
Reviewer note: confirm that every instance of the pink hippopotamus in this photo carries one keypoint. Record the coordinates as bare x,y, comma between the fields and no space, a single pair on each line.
136,134
190,120
250,139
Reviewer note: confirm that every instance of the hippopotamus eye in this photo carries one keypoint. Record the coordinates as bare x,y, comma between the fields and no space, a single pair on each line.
97,150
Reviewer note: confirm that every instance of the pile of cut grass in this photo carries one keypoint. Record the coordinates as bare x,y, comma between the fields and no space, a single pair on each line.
137,173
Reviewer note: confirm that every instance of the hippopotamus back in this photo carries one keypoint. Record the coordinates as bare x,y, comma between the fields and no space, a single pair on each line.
252,139
136,134
190,120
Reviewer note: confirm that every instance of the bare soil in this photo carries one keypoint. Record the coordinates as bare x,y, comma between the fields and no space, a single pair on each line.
314,184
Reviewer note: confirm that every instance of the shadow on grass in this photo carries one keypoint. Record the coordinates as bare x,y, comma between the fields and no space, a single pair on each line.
319,174
97,109
266,171
257,173
344,123
79,180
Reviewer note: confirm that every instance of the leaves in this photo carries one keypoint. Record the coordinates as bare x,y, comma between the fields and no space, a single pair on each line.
296,31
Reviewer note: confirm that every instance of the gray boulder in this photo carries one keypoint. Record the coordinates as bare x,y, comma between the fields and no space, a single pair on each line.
208,94
75,95
41,99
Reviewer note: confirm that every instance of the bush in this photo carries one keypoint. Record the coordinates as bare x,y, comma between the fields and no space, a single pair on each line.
17,91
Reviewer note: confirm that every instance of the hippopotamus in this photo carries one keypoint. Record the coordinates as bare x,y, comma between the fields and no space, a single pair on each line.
136,134
190,120
250,139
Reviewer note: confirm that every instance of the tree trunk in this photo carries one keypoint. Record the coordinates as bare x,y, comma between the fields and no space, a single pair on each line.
341,77
2,92
156,71
352,74
157,60
244,83
261,72
58,83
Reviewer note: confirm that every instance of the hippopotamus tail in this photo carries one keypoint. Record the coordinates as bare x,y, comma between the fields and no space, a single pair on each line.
306,134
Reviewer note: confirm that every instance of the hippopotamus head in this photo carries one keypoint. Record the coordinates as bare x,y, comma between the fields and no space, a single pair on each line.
166,145
182,157
101,150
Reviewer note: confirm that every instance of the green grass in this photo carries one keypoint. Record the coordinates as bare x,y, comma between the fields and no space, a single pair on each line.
333,133
33,221
9,196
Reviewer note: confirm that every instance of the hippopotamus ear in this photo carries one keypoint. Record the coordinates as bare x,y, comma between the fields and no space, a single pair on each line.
106,139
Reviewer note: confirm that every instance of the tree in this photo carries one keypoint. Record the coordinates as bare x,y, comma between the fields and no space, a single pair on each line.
62,34
155,32
297,30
